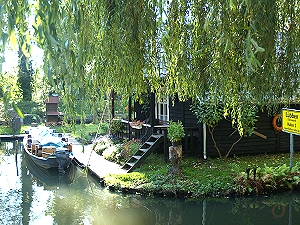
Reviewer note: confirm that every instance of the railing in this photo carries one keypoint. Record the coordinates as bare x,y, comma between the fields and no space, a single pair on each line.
142,132
189,142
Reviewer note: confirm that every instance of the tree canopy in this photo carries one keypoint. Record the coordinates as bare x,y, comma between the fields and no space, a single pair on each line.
237,51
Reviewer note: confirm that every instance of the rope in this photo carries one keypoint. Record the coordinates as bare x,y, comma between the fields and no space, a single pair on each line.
101,120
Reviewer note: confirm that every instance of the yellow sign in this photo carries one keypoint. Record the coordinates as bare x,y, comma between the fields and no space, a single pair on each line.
291,121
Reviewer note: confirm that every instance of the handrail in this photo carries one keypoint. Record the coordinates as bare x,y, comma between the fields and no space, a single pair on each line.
147,130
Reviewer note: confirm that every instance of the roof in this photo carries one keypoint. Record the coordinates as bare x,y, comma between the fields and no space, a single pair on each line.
54,113
52,99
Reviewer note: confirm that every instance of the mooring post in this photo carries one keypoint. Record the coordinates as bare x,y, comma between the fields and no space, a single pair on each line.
291,150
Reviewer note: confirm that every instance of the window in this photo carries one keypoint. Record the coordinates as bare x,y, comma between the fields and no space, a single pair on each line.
162,110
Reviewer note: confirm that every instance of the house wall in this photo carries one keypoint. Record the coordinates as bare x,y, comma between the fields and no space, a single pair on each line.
192,142
181,111
52,118
225,136
275,142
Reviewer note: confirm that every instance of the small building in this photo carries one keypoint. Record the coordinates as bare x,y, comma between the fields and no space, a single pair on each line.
52,113
200,141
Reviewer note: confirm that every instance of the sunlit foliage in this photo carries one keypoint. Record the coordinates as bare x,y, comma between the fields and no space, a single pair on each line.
238,51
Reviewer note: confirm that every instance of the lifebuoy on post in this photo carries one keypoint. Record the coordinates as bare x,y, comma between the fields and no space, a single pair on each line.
276,122
281,209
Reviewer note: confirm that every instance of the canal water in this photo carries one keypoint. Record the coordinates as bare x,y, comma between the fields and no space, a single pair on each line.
29,195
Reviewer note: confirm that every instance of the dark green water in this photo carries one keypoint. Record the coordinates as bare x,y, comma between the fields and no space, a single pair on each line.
32,196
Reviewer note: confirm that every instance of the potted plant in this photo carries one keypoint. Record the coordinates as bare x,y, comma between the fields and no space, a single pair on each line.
175,134
137,124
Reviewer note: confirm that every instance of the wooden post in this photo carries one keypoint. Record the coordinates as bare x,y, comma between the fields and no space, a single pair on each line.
129,117
166,149
152,111
112,98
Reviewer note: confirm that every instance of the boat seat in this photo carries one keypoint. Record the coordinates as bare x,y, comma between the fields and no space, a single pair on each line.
46,154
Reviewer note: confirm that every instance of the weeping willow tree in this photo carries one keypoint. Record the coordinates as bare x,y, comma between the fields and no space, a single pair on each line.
237,51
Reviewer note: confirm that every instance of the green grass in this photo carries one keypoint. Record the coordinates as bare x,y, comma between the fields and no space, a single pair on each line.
84,133
6,130
9,130
200,178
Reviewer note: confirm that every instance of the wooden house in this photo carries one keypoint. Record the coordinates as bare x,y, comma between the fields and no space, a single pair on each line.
52,113
198,140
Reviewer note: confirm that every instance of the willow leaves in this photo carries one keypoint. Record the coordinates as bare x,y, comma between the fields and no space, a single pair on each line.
237,51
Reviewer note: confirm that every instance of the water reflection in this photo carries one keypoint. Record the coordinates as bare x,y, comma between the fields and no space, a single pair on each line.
29,195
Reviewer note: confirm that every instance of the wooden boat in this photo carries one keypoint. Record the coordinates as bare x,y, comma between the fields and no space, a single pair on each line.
47,149
50,178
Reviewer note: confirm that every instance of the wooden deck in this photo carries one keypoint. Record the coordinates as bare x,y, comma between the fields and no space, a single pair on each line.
10,137
94,162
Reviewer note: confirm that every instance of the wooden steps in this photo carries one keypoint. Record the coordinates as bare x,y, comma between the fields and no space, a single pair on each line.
145,150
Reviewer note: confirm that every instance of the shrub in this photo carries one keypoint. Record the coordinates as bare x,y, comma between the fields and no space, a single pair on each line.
118,153
129,148
31,118
103,128
268,179
175,131
115,126
112,153
100,144
31,107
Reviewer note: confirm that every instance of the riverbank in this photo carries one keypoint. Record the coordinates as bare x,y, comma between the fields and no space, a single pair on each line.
242,175
212,177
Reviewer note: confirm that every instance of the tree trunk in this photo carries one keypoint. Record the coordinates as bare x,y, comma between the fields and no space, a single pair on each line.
175,156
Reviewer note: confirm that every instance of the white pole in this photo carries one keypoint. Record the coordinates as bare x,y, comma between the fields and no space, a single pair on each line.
204,140
291,150
204,212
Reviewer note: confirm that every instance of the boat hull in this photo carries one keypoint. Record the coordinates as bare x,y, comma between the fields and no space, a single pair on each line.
47,163
47,149
50,177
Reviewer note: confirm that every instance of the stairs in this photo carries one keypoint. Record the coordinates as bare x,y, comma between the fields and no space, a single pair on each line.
146,149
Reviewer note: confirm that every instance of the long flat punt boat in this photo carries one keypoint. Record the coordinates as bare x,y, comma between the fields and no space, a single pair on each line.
47,149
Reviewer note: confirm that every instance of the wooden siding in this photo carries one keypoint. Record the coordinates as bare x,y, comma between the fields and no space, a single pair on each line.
181,111
225,135
51,107
52,99
192,142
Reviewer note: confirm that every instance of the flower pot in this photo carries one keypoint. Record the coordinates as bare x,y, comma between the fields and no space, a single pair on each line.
175,154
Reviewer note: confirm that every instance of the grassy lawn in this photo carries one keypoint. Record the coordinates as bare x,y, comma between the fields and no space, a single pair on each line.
84,133
211,177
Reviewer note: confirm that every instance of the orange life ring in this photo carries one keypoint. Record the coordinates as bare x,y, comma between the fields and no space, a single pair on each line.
275,124
282,207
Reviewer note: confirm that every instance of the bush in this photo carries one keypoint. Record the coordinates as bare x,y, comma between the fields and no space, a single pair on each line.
129,148
103,128
116,152
101,144
31,118
116,126
112,153
175,131
31,107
